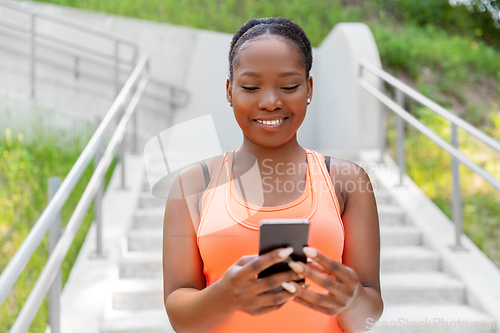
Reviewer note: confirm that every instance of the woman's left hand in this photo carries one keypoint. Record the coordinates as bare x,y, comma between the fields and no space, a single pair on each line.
341,283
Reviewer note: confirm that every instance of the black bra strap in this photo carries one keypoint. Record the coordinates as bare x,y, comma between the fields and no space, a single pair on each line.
205,173
327,161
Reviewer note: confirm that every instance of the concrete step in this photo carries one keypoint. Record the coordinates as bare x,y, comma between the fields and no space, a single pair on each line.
138,294
408,258
444,318
400,236
148,217
145,240
421,288
149,321
146,199
390,215
140,265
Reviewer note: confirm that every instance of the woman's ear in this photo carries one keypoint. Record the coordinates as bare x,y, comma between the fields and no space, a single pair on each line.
229,91
309,87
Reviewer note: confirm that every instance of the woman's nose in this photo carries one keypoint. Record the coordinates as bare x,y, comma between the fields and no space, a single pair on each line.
270,100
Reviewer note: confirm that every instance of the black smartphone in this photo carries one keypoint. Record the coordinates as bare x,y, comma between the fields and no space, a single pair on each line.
281,233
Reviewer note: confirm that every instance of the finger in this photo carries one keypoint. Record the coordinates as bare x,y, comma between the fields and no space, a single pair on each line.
335,287
264,261
316,266
267,302
332,266
271,299
265,309
326,310
326,301
273,281
246,259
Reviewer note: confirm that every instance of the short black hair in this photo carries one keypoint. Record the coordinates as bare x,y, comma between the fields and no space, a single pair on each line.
278,26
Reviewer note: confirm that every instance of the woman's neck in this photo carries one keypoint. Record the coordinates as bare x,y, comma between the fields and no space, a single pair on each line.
291,152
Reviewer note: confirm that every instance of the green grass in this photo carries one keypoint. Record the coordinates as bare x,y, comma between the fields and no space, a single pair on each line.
24,170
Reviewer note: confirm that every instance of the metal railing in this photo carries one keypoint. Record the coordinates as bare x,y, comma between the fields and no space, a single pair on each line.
128,97
115,62
452,147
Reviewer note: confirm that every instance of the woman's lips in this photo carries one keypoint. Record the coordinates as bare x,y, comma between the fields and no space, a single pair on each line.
274,125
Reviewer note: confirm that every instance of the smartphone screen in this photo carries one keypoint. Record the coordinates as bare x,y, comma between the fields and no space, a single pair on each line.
281,233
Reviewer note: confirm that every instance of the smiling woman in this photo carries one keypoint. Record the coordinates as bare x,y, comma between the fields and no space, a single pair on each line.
210,260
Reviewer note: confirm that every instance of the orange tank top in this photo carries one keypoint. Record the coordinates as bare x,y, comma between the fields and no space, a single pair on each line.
229,229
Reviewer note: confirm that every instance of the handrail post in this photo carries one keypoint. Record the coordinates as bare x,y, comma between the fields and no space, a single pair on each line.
55,289
117,69
32,56
135,150
382,124
456,199
123,185
400,131
99,253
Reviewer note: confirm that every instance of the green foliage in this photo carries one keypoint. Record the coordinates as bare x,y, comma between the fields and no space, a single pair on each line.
433,47
25,167
455,19
316,17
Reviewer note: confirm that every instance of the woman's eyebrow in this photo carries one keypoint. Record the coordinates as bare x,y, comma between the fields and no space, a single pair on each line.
279,75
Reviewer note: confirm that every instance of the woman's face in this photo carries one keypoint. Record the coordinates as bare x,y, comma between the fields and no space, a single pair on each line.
269,83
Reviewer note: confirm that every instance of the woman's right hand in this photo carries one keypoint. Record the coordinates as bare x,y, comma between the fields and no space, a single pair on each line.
241,289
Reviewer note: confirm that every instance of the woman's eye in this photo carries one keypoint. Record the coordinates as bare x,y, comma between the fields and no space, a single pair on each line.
249,88
290,88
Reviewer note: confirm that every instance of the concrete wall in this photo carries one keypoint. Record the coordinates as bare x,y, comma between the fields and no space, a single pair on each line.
347,116
341,117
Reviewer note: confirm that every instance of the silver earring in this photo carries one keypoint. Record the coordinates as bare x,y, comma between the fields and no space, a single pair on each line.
229,104
308,100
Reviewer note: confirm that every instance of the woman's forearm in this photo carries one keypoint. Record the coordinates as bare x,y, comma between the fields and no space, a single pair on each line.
194,311
362,313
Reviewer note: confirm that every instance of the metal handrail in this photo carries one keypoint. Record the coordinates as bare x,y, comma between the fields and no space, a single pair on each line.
173,102
16,265
48,46
452,148
34,35
47,276
425,101
107,35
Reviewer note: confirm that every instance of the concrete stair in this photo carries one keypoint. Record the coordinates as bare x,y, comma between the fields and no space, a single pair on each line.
137,298
414,287
418,295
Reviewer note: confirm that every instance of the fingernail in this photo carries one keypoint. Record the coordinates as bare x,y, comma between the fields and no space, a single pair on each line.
296,267
310,252
289,287
285,252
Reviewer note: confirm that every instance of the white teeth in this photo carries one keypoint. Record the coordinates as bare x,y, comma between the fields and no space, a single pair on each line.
270,122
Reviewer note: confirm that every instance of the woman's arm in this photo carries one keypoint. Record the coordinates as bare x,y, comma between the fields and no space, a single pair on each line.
361,248
353,286
190,306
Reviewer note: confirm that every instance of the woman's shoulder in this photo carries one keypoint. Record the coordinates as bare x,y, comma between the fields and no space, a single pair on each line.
348,178
194,176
